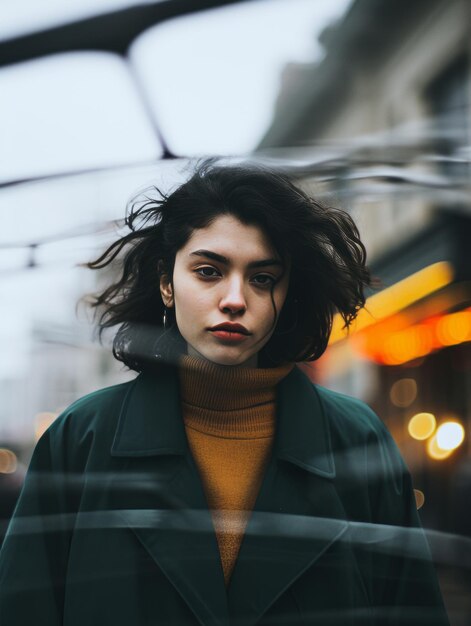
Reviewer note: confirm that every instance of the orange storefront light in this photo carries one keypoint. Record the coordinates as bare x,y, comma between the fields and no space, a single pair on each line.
454,328
397,297
388,345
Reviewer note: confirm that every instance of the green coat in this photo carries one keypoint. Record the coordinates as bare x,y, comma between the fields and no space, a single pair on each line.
112,527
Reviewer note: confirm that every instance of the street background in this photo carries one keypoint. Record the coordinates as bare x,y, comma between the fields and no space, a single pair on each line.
367,104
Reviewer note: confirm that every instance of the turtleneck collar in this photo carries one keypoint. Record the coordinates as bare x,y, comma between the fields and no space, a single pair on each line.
226,388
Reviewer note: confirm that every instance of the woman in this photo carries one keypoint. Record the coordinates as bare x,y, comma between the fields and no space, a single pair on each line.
220,486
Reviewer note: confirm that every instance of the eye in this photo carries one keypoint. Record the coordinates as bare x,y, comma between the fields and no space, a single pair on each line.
207,272
264,280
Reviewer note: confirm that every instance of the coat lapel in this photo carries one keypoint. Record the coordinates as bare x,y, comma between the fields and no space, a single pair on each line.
297,515
170,516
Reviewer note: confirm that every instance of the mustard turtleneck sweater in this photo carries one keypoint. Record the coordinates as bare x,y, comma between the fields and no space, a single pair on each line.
229,417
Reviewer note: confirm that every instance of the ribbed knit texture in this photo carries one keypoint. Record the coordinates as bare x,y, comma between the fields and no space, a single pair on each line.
229,416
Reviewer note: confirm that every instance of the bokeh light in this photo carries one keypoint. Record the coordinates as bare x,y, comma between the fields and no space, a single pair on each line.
450,435
403,392
454,328
408,344
419,498
422,425
42,422
434,450
398,339
8,461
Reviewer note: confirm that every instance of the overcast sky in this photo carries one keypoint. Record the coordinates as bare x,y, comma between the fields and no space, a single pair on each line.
211,80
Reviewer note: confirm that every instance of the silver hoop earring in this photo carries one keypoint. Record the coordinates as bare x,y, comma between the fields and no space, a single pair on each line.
165,319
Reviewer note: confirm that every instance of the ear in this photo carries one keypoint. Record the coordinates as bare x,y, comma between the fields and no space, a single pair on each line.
166,290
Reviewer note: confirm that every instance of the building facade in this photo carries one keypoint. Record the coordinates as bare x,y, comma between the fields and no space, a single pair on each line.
391,101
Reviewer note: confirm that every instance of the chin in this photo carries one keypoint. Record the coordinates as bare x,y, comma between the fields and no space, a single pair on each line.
228,359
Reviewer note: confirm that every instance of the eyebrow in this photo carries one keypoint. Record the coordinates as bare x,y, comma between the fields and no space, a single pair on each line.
225,261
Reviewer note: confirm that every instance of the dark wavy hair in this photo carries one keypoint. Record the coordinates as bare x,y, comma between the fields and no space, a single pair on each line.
327,261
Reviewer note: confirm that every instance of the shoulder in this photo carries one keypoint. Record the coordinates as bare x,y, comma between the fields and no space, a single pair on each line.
100,404
344,417
357,432
88,422
353,424
99,401
349,415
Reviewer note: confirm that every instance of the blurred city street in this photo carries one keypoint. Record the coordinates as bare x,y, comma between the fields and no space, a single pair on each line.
366,103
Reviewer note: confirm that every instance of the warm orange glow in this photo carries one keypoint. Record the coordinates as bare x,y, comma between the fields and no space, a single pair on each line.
422,425
403,392
407,344
43,421
393,343
454,328
419,498
8,461
397,297
450,435
435,452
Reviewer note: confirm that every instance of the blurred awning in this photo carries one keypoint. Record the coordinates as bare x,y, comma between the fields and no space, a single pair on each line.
108,31
123,84
72,103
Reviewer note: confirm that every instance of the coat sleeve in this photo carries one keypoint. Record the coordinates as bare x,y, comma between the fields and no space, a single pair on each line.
405,587
33,558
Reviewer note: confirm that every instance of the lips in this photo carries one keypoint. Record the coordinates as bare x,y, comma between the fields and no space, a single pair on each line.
229,333
231,328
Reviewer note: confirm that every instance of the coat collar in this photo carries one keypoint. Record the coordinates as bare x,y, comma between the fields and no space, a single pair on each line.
292,524
149,423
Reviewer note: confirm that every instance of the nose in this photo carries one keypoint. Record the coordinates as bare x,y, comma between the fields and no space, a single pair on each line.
233,299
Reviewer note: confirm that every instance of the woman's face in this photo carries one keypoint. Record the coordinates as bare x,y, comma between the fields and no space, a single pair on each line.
222,284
